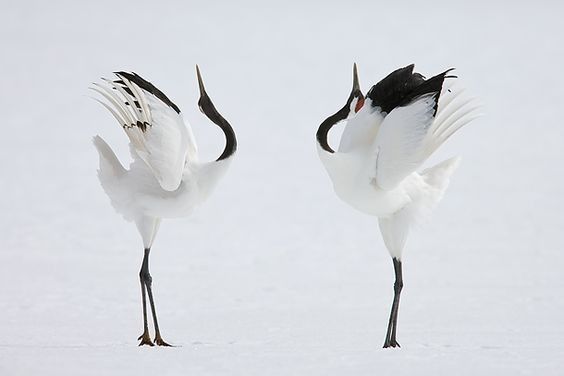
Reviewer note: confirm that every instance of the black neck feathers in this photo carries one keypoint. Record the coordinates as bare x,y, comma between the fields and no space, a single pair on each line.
207,107
342,114
325,127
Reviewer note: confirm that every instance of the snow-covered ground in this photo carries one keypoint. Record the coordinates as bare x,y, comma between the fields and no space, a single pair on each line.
274,275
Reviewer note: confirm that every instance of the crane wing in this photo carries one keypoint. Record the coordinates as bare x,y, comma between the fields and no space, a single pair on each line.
154,125
411,133
398,147
361,130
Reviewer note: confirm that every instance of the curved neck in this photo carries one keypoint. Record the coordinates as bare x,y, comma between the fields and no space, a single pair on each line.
325,127
342,114
207,107
230,141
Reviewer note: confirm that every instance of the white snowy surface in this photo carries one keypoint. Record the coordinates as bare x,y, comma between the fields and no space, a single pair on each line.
274,275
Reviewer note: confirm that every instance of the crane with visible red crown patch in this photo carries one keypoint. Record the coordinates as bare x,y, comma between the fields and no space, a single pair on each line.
388,135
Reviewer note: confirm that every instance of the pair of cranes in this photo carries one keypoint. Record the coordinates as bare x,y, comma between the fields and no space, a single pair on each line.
389,133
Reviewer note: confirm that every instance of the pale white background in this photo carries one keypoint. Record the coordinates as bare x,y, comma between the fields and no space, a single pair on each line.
274,275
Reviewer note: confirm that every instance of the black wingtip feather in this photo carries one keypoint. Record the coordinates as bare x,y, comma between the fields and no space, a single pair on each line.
402,86
147,86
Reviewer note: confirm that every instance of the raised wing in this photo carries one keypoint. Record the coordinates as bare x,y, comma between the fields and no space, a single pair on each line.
153,124
399,146
412,132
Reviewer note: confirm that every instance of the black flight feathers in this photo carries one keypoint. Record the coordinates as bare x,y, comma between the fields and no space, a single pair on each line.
402,86
399,88
147,86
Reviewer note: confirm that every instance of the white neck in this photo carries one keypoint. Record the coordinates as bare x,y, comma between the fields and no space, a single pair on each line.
209,174
331,161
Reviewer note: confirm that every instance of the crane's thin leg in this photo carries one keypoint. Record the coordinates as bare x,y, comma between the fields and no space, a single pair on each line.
145,337
398,286
148,280
393,322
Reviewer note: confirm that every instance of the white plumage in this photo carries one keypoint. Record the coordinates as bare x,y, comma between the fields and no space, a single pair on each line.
166,178
399,125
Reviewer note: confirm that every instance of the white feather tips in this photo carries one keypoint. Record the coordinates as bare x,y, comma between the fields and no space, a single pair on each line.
410,134
157,133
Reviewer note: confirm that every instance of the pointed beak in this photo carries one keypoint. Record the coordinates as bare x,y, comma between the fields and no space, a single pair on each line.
356,84
200,83
356,90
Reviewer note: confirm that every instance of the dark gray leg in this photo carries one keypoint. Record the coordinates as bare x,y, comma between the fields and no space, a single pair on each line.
393,322
146,282
143,275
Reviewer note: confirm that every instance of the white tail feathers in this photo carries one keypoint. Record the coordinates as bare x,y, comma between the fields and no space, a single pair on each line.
110,166
437,179
111,174
396,227
438,176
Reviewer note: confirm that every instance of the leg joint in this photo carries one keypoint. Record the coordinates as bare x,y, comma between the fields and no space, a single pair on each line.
145,277
398,285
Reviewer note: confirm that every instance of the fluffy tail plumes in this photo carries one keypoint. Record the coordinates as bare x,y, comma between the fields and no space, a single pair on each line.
110,166
455,110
